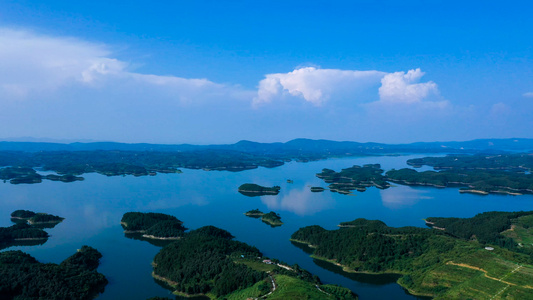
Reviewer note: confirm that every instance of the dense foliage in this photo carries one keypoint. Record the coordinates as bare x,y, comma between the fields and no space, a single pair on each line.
272,218
520,162
20,231
44,218
437,261
354,178
23,214
485,227
367,245
111,163
138,221
202,262
23,277
489,181
252,189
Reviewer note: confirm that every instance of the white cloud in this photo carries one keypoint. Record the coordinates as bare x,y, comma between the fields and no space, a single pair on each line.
401,87
528,95
33,65
319,86
315,85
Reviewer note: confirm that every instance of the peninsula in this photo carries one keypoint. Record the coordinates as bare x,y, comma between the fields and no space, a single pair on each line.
207,261
461,258
252,190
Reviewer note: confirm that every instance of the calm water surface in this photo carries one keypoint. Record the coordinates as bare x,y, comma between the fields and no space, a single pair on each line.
93,209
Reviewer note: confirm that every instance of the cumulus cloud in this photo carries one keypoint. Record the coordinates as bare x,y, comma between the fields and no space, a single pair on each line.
318,86
315,85
401,87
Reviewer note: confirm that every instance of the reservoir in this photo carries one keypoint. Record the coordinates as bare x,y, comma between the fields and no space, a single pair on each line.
94,207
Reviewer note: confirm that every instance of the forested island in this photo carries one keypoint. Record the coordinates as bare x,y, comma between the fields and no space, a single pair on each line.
475,258
35,218
252,190
354,178
23,277
153,225
317,189
28,228
273,219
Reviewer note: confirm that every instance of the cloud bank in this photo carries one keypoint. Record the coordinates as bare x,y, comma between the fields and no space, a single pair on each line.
67,88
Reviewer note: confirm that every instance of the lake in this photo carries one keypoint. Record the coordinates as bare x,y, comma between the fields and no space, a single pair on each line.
93,209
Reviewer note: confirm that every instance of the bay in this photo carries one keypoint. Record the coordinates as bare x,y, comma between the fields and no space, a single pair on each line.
93,209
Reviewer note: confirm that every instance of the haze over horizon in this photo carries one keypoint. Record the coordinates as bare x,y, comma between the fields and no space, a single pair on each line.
211,72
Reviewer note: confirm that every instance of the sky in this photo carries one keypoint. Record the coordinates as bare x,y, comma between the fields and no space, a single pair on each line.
214,72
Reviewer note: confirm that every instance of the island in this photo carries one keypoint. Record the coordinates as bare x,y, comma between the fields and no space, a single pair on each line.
153,225
254,213
207,261
252,190
458,258
317,189
23,277
18,175
354,178
273,219
35,218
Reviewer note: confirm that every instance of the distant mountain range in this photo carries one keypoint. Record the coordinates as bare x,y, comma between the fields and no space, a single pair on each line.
297,146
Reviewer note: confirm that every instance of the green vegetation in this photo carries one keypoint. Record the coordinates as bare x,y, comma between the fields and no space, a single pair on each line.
254,213
19,165
478,174
449,262
475,181
252,190
317,189
34,218
153,225
521,162
203,262
22,214
10,236
354,178
273,219
23,277
17,175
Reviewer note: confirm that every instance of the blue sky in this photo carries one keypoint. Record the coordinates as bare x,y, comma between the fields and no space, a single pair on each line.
221,71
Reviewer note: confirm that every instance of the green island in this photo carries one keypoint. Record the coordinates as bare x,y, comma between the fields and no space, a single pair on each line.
28,229
489,256
207,261
519,162
273,219
153,225
23,277
35,218
252,190
354,178
317,189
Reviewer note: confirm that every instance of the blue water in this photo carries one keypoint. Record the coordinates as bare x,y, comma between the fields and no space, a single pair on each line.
93,209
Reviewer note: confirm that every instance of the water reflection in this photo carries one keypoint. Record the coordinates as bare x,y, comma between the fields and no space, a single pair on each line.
300,201
401,196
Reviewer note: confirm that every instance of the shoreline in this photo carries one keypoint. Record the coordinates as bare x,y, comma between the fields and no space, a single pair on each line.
173,284
349,270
